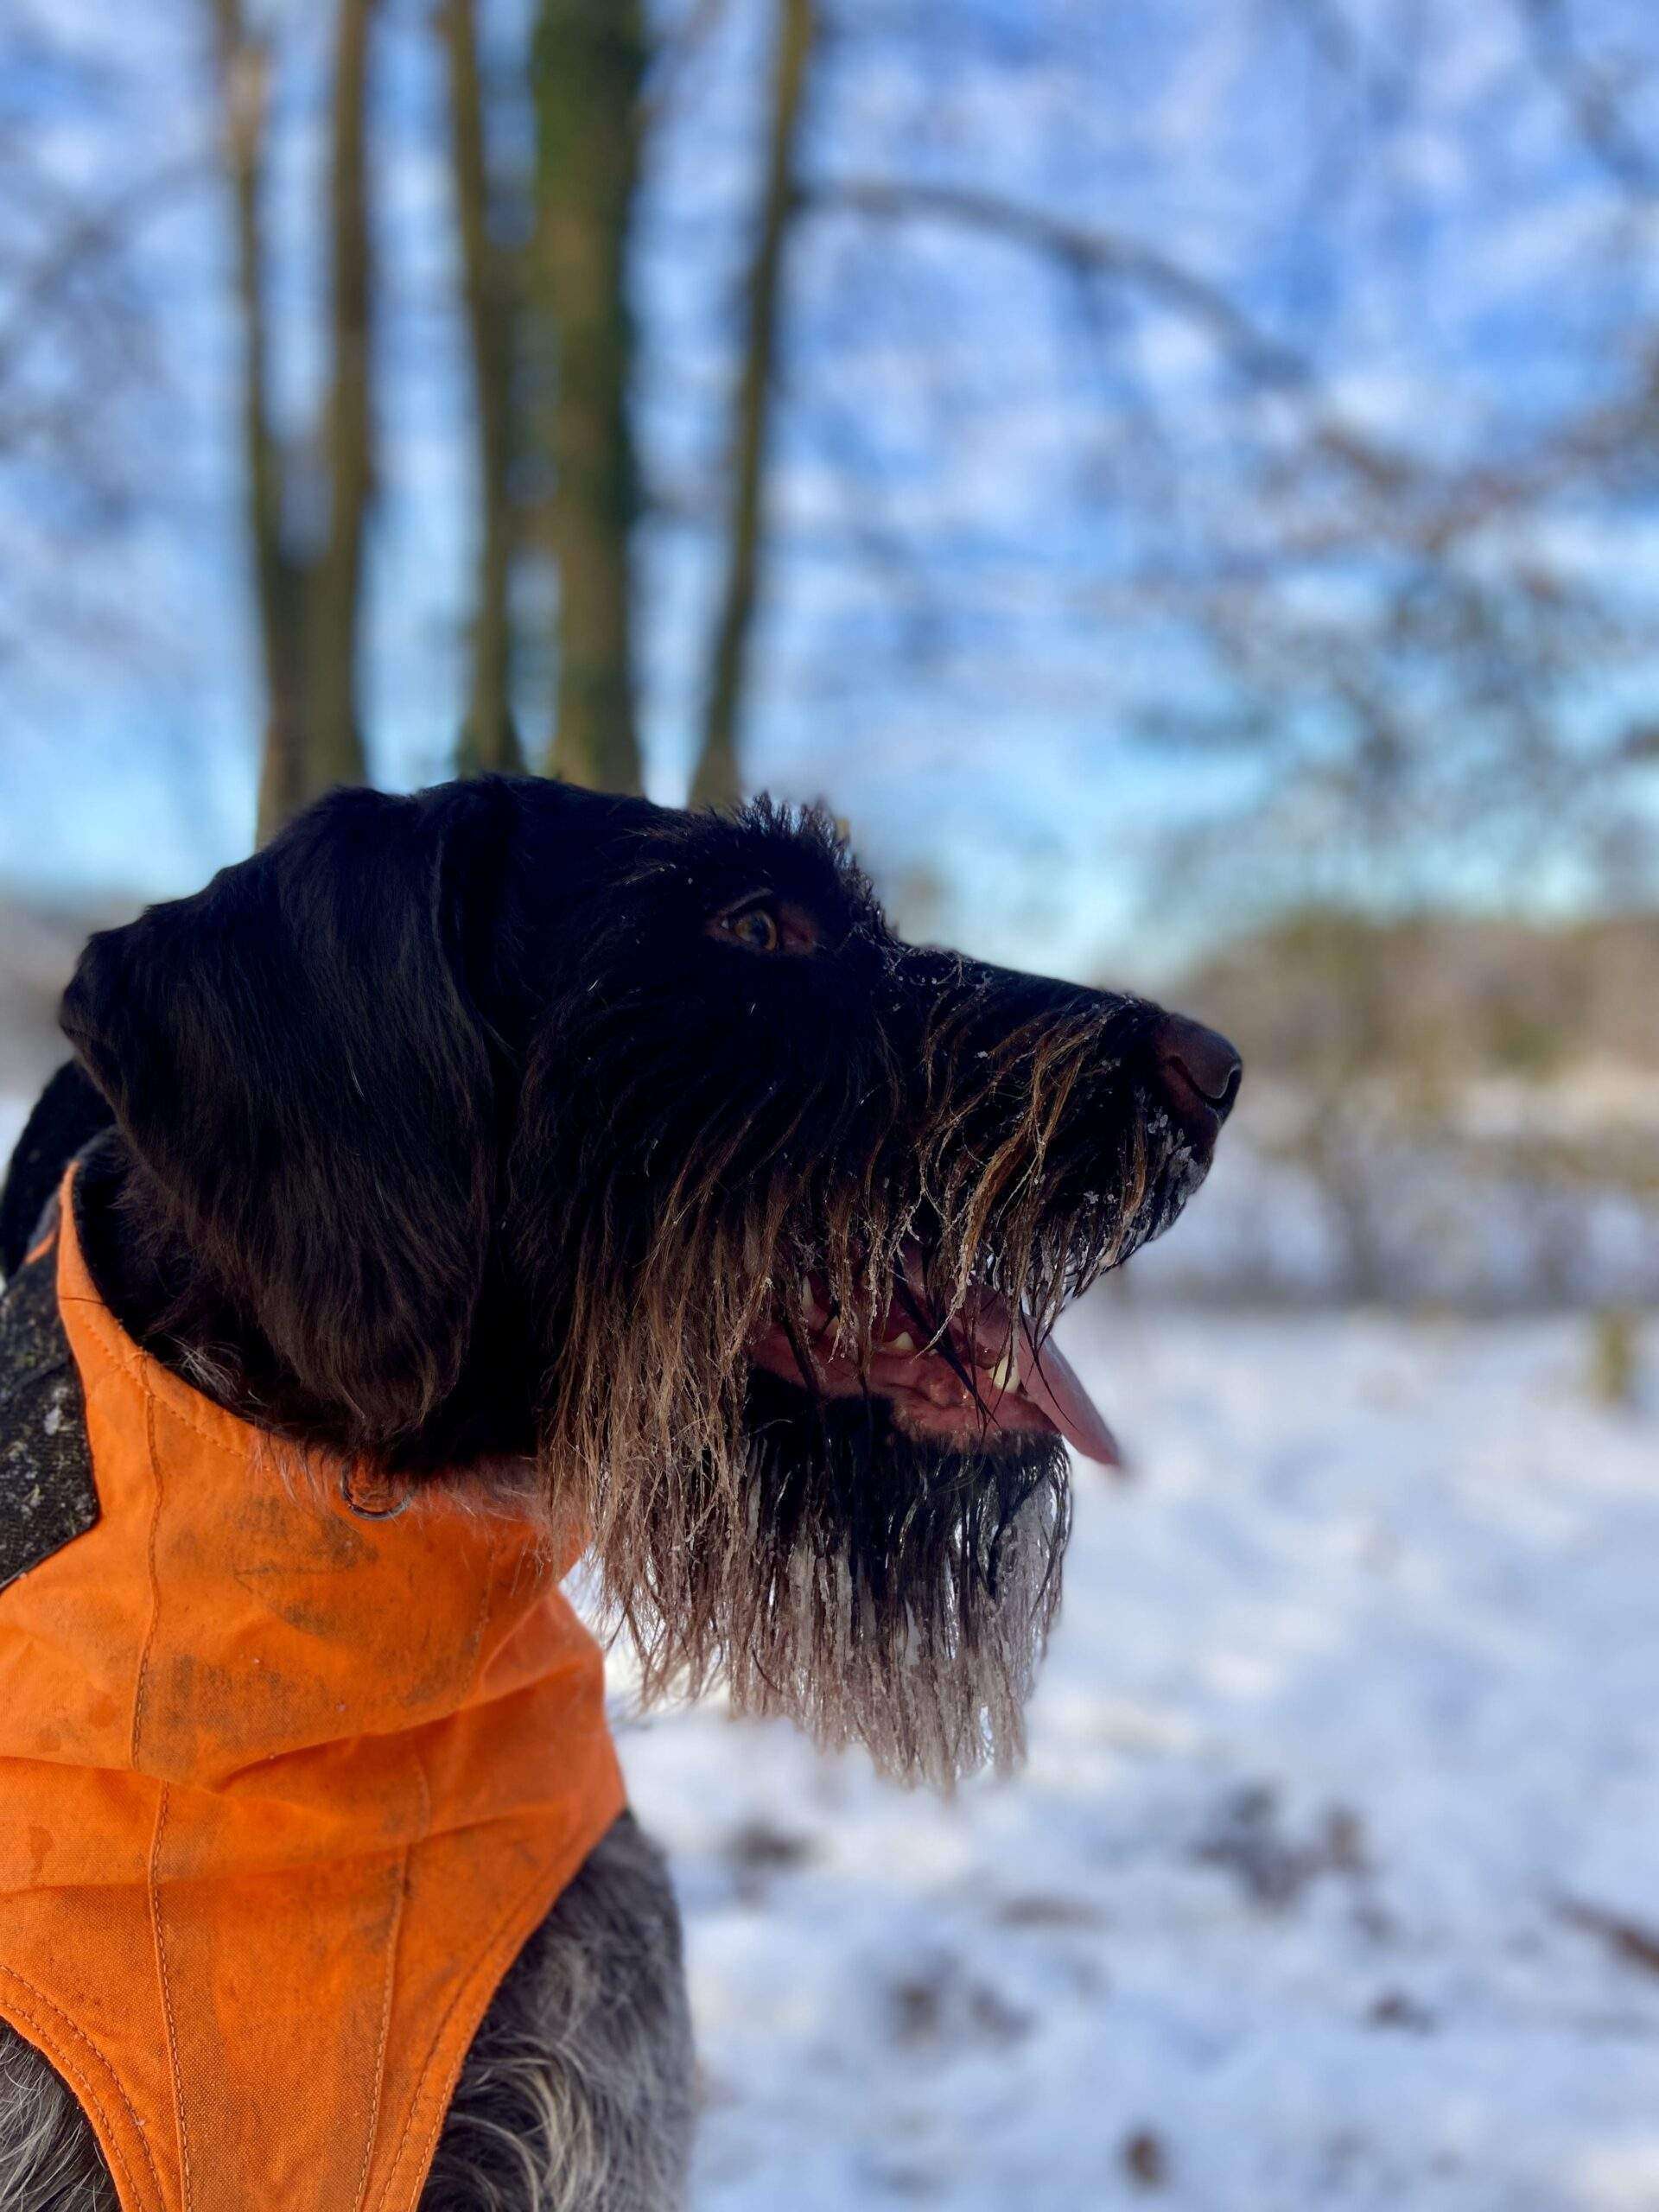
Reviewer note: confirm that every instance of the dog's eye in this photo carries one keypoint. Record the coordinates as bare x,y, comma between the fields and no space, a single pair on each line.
758,929
767,925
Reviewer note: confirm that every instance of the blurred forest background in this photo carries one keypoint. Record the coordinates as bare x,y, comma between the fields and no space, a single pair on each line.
1181,478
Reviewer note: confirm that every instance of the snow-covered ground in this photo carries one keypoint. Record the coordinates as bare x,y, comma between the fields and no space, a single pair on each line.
1333,1879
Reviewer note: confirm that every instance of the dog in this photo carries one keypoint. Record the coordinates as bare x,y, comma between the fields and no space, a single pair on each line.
532,1158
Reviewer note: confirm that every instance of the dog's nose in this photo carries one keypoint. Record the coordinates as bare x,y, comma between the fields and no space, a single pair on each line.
1201,1071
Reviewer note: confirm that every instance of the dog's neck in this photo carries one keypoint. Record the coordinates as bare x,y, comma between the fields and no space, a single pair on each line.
168,1302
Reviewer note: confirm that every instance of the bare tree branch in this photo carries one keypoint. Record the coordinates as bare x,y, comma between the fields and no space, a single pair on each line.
1087,252
1590,99
85,246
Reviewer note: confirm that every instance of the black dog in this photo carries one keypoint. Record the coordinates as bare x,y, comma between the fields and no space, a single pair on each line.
622,1162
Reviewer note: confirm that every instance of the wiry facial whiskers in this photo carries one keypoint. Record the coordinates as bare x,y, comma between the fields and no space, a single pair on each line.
796,1521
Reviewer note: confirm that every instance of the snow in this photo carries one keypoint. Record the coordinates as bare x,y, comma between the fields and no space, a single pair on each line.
1327,1886
1342,1788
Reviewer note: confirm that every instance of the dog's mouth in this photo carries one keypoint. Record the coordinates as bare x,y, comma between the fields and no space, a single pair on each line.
980,1375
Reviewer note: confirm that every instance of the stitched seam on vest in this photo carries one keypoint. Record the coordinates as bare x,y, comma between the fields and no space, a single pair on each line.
132,1360
373,2128
140,1700
141,1687
506,1940
461,1995
186,1402
501,1948
166,2000
81,2082
486,1603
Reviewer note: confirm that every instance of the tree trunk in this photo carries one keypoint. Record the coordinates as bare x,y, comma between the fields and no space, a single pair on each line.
243,66
718,780
308,595
588,66
489,738
333,739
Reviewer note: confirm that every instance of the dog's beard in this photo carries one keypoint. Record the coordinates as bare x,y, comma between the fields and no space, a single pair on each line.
808,1550
872,1585
894,1593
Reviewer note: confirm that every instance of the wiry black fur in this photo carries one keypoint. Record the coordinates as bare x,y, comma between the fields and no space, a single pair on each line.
450,1136
364,1078
448,1133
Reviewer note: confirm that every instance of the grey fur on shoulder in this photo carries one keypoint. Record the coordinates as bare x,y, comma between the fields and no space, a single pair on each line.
577,2095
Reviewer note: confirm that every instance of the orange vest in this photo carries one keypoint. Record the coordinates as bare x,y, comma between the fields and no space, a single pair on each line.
284,1788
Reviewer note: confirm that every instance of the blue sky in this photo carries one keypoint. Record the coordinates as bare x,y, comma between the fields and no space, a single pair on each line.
981,467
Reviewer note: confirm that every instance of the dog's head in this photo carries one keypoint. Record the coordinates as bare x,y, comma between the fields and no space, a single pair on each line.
525,1129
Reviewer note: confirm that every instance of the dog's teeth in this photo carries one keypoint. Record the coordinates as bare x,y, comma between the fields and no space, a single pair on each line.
1006,1373
903,1341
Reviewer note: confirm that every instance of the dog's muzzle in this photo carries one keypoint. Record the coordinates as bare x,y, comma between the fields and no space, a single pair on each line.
980,1375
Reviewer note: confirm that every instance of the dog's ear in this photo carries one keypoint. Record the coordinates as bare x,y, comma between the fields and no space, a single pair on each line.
295,1055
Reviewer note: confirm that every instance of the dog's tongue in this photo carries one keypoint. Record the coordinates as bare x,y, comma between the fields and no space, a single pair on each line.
1048,1379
